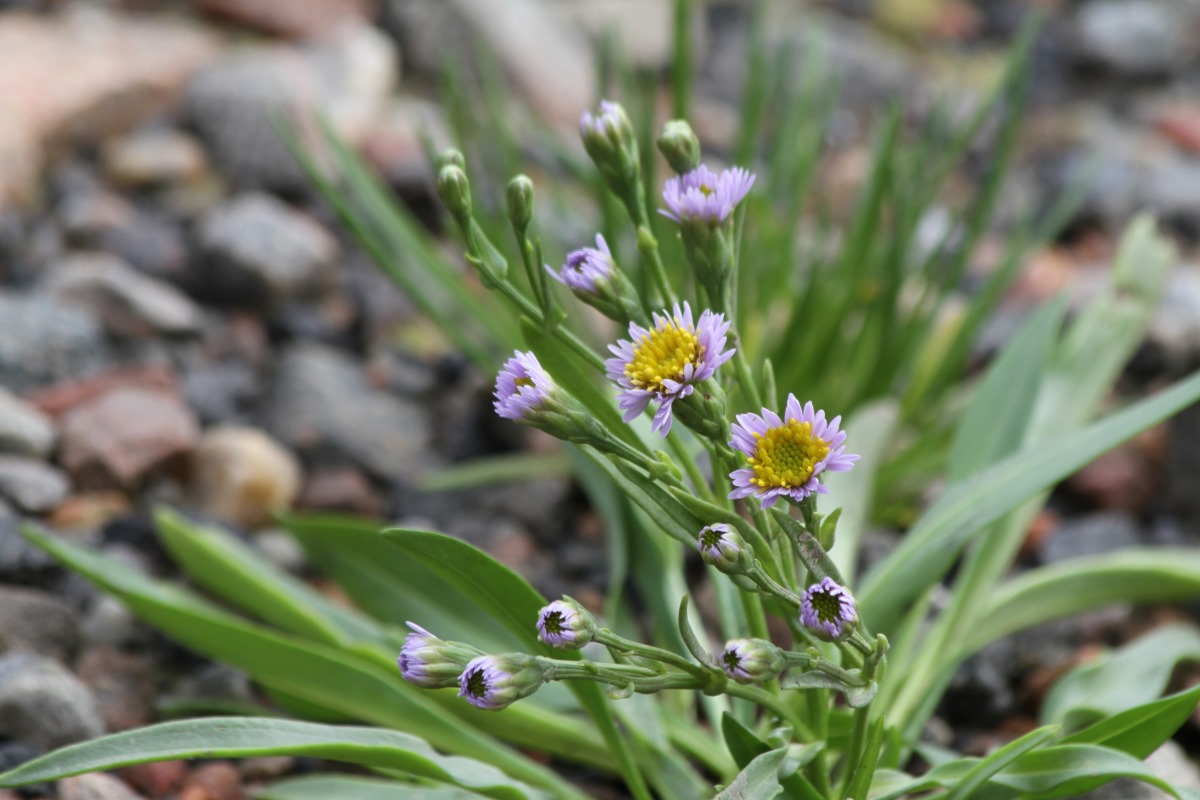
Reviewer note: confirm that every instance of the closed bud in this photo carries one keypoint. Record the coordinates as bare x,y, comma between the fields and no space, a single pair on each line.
724,548
566,624
679,146
455,191
450,158
752,660
495,682
519,201
431,663
828,610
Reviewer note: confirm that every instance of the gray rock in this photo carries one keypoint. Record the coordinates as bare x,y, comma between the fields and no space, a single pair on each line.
127,302
221,392
1183,464
321,400
257,249
1171,189
32,485
36,622
346,77
1175,327
20,562
24,430
1091,535
95,786
281,549
43,704
110,622
1138,38
153,157
46,341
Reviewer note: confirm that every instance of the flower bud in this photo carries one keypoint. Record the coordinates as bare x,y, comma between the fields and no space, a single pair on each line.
431,663
724,548
679,146
455,191
519,201
450,158
611,143
565,624
828,610
752,660
494,682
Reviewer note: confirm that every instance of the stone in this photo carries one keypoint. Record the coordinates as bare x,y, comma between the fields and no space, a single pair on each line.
46,341
345,77
153,157
62,397
110,623
1175,327
1120,480
37,622
291,19
219,780
24,429
341,488
21,563
282,550
119,436
95,786
13,754
44,705
158,779
1137,38
121,67
242,475
1183,464
223,391
321,400
1090,535
150,242
643,28
126,302
258,250
123,685
395,144
32,485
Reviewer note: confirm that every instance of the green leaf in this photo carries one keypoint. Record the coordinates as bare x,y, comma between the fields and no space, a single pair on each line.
345,787
1140,731
766,777
856,696
1128,576
496,470
1135,674
508,599
364,685
743,745
238,737
999,761
932,546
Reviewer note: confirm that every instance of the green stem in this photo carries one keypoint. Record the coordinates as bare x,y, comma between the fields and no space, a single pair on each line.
773,704
699,485
648,247
609,639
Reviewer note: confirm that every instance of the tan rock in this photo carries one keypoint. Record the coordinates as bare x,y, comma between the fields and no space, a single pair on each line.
241,475
289,18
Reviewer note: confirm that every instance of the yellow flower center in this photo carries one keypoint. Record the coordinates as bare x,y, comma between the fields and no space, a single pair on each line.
523,381
785,457
661,355
706,190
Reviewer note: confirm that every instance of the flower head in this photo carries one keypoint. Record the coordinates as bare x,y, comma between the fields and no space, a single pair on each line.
705,196
494,682
786,457
752,660
565,624
828,610
610,120
724,548
521,387
666,362
587,268
429,662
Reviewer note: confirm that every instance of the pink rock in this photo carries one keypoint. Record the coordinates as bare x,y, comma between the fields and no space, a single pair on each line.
156,779
120,69
122,434
216,781
95,786
289,18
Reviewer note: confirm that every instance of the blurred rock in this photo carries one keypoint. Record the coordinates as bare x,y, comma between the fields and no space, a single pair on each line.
152,243
1168,762
36,622
117,437
1090,535
95,786
216,781
14,754
126,302
158,779
1180,122
395,144
979,693
1137,38
256,249
282,550
1175,328
120,68
23,429
123,685
56,400
43,704
21,563
1183,464
110,623
46,341
242,475
289,18
341,488
346,77
153,157
32,485
1120,480
642,29
222,391
321,400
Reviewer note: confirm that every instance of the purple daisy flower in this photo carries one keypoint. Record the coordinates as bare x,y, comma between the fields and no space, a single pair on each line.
586,267
666,362
752,660
828,610
704,196
521,387
786,457
494,682
608,121
565,624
